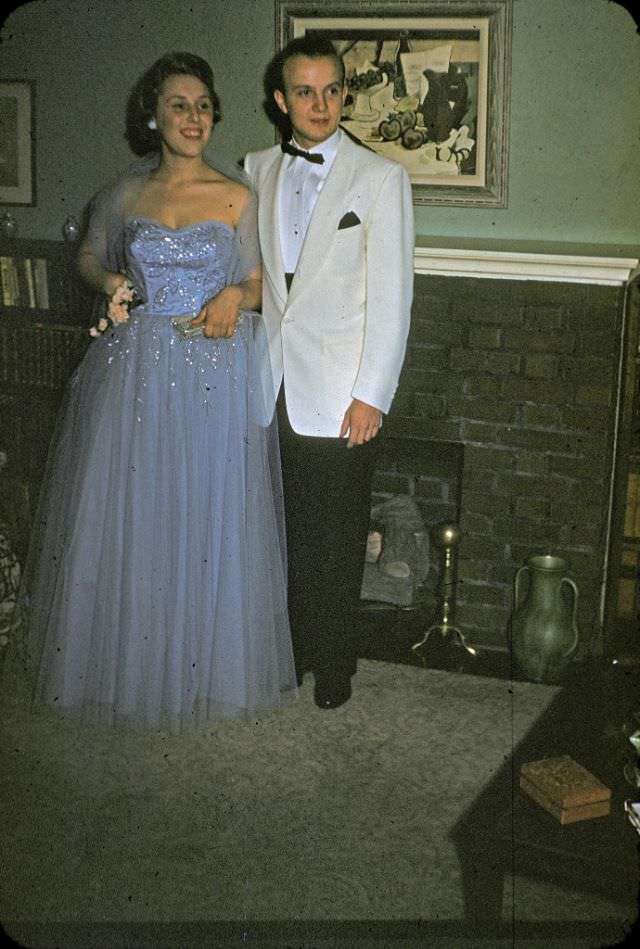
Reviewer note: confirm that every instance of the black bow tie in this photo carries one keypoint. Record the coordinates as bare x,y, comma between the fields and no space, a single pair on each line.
290,149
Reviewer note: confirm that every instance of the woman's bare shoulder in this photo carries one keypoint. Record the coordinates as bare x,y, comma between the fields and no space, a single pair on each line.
236,194
237,188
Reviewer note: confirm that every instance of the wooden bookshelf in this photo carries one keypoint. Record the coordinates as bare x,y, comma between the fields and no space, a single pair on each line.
45,315
39,283
622,606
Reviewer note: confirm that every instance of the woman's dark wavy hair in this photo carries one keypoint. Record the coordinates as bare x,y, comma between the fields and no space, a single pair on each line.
313,45
143,99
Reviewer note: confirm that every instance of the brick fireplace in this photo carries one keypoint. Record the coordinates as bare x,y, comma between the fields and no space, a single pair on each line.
505,420
522,374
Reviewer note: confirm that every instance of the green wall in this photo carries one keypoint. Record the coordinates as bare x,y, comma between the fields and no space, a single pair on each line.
574,163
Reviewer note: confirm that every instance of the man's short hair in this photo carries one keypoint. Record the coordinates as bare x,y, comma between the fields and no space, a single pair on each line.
313,45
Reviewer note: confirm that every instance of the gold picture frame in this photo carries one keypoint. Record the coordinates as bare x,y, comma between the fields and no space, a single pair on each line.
17,164
429,84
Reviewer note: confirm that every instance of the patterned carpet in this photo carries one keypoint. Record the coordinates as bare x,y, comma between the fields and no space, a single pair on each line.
331,819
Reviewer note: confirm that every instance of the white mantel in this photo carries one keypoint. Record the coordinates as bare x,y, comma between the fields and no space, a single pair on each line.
610,265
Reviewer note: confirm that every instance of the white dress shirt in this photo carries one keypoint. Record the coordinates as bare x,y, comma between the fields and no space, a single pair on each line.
301,184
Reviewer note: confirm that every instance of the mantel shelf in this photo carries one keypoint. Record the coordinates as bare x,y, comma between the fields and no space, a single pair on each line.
523,260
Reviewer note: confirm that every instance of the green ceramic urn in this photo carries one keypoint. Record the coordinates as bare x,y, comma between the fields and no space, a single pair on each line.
544,632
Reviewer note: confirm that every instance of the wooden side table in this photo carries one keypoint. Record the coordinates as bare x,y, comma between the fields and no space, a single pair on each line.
505,832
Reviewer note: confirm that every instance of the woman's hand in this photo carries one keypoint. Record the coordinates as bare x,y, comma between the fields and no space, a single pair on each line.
112,282
220,314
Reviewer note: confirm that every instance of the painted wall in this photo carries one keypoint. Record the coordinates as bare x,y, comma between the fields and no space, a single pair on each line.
574,169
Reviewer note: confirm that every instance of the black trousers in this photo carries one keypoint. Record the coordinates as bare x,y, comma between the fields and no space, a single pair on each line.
327,494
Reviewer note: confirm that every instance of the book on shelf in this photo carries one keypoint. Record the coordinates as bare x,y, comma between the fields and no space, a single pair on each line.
25,282
4,281
30,286
632,508
10,282
41,282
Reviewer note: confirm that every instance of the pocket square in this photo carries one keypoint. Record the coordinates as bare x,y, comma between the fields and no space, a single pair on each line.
350,219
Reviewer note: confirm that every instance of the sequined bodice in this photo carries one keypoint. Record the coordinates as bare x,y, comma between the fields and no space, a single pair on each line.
178,270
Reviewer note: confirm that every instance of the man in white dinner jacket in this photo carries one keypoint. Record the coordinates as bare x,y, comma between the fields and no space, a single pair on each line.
336,235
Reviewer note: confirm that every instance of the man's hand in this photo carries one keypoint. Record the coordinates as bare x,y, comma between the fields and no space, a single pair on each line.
361,422
220,314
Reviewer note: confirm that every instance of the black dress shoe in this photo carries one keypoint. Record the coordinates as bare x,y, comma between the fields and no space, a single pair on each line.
333,693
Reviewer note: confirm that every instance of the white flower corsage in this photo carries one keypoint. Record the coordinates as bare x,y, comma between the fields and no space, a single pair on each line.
124,299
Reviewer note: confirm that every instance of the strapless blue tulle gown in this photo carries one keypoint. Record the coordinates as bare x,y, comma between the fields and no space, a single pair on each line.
155,588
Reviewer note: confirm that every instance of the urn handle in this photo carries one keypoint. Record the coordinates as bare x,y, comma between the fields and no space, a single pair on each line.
519,573
574,614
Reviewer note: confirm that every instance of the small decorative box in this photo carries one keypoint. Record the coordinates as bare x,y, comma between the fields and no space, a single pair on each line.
565,789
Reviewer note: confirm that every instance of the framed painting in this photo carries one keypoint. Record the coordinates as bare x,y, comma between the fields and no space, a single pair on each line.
428,86
17,173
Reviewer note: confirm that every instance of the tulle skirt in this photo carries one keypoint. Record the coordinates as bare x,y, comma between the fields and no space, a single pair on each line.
155,587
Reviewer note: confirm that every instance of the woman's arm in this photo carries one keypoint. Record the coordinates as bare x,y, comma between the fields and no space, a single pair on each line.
220,314
91,270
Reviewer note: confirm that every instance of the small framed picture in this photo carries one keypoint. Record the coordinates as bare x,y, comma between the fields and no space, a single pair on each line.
17,165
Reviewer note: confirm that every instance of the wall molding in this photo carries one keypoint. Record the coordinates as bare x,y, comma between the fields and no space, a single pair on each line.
561,265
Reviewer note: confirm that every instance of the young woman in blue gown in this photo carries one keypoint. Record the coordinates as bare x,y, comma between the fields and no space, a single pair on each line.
155,583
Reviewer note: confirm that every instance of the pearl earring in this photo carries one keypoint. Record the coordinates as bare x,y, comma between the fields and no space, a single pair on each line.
152,124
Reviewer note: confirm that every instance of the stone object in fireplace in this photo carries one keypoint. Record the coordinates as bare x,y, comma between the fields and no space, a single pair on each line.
397,560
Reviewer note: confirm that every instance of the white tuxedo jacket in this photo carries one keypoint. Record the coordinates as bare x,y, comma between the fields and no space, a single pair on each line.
340,333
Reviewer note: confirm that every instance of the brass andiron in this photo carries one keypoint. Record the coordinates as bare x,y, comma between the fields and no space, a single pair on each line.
447,536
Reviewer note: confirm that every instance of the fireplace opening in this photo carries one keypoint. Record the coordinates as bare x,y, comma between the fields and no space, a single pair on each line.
417,485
